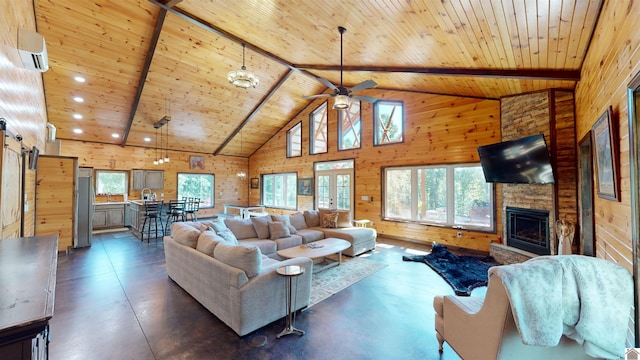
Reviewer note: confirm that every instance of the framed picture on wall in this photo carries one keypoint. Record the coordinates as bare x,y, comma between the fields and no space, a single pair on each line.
606,156
255,183
196,162
305,186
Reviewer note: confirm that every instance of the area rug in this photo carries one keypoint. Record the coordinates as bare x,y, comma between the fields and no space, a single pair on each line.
463,273
331,281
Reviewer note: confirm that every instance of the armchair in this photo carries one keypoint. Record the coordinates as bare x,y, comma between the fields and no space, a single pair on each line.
558,325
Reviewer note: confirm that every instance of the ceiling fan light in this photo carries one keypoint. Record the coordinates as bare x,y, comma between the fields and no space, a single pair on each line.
341,102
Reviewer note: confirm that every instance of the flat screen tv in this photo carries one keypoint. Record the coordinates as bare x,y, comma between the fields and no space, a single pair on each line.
520,161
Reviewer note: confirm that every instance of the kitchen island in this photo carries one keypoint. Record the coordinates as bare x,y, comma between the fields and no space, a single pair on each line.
135,217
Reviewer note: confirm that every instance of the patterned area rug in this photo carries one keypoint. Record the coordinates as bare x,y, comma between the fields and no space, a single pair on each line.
331,281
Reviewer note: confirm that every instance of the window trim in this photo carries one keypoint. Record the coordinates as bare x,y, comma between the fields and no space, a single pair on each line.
343,115
213,187
312,131
285,191
450,195
126,173
375,122
290,143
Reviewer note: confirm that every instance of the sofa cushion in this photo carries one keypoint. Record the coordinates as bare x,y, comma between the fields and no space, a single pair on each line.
261,225
185,234
298,221
310,235
287,220
228,236
312,218
207,242
278,230
241,228
330,220
245,257
267,247
344,218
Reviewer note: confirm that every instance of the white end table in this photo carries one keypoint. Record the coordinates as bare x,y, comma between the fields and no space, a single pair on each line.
290,271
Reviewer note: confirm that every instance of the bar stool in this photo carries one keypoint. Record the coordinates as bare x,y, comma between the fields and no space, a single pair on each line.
175,212
152,213
193,205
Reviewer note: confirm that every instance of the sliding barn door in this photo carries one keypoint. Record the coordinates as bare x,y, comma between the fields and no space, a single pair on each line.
11,190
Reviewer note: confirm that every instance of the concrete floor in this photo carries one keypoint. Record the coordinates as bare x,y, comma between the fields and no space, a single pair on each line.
115,301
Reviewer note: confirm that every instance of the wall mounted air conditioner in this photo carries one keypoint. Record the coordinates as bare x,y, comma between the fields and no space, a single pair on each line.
32,50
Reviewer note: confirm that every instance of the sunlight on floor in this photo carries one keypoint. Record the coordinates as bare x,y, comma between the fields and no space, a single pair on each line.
417,252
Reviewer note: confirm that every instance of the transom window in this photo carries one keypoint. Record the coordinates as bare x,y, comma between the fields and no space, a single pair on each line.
279,190
349,127
450,195
388,119
318,130
112,182
199,186
294,141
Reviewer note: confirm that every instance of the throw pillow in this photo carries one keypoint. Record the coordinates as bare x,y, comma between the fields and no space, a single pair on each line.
218,225
261,225
278,230
286,219
228,236
344,219
297,221
312,218
245,257
330,220
185,234
207,242
242,228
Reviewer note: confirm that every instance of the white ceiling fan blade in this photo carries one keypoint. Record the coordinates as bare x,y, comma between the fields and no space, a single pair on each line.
363,85
328,83
317,96
364,98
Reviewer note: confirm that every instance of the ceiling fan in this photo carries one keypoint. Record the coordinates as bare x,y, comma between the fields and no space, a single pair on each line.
341,94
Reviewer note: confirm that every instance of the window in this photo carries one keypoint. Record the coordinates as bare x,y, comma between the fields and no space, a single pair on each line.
279,190
294,141
197,186
318,130
349,129
388,122
449,195
112,182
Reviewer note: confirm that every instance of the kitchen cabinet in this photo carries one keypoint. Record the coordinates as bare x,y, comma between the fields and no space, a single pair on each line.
151,179
108,216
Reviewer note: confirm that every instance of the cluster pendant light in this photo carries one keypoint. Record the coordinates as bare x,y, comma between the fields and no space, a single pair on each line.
243,78
159,160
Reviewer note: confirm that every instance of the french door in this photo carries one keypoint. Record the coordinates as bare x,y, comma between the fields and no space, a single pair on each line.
334,185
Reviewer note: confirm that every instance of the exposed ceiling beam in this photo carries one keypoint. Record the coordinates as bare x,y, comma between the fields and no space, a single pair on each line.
144,73
255,111
170,3
570,75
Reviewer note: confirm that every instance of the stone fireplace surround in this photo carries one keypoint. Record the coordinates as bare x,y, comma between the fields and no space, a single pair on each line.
550,112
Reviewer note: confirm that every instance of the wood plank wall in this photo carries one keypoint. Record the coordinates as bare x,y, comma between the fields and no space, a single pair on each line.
228,189
438,130
612,61
21,92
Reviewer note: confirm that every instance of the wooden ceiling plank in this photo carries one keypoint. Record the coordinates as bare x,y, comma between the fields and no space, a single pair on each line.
254,111
144,72
564,32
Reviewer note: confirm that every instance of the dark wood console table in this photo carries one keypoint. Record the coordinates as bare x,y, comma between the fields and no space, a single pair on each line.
27,286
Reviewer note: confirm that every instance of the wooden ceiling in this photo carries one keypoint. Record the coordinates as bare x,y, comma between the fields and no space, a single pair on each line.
143,60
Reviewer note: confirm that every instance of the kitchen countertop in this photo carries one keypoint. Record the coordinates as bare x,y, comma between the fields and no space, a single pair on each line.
112,203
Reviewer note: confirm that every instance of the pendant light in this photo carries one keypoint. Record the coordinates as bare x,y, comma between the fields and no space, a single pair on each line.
241,174
168,118
155,159
243,78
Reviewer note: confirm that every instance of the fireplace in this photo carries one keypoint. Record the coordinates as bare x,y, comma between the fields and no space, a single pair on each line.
528,229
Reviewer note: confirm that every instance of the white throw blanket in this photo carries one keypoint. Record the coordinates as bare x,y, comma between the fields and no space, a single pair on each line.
587,299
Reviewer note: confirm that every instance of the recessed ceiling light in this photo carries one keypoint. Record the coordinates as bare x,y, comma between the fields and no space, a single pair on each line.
78,99
79,79
115,135
147,139
77,116
77,131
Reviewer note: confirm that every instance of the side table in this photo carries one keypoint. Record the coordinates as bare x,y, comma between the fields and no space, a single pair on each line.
290,271
362,223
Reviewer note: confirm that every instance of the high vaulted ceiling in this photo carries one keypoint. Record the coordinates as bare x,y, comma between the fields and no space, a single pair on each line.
143,59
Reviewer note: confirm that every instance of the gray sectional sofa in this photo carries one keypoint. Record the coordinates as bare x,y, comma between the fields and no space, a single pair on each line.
229,265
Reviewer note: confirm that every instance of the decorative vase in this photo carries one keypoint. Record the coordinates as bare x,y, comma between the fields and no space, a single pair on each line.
565,231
